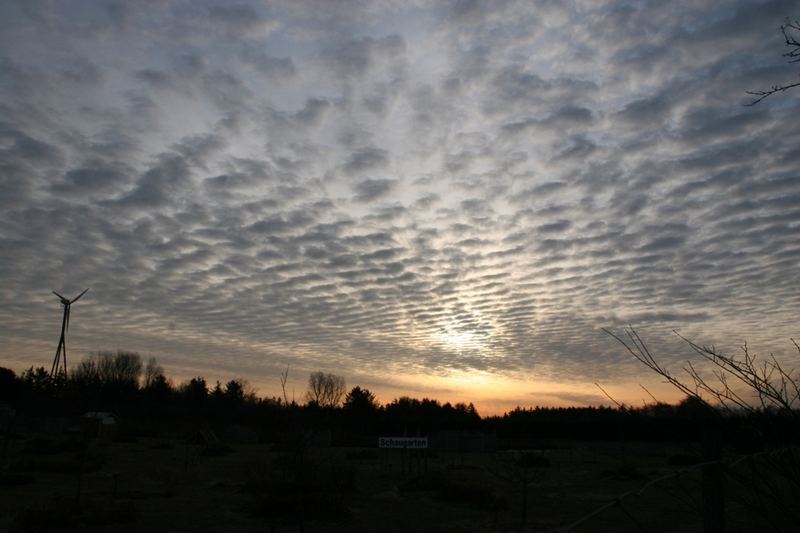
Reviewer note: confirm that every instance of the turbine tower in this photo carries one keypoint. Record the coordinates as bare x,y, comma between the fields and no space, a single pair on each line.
60,361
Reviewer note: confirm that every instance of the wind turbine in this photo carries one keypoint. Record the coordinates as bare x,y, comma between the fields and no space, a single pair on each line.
62,342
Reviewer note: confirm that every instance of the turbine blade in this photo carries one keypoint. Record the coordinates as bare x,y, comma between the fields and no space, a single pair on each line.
66,329
78,296
62,298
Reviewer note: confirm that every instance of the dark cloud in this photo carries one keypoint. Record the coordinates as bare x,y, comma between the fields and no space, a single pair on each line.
270,66
366,160
516,86
371,189
189,65
229,182
313,112
646,111
577,147
154,78
81,71
93,178
555,227
354,57
238,18
160,185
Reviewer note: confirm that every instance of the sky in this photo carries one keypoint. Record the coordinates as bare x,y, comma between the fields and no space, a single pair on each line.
441,199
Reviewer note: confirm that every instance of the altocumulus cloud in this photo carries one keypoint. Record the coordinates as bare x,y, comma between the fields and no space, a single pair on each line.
397,190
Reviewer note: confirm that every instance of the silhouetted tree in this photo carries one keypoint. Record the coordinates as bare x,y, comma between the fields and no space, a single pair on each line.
791,32
325,390
37,380
195,387
194,392
217,393
234,391
151,371
8,384
120,370
360,401
159,388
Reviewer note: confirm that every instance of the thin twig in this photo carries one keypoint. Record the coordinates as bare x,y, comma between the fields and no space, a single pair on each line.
609,396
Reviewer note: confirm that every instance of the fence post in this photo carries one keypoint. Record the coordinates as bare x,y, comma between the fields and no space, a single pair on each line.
713,490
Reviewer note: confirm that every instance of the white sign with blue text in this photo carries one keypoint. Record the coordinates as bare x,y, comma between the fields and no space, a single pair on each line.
403,442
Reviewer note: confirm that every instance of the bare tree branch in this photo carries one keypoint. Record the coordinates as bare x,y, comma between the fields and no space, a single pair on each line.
649,393
772,386
788,29
609,396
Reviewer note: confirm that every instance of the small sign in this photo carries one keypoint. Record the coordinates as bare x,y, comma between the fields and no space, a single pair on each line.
403,442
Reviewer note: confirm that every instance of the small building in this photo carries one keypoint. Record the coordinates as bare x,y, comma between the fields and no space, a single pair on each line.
99,423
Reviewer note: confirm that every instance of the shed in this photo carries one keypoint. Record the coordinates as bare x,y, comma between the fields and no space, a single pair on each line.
99,423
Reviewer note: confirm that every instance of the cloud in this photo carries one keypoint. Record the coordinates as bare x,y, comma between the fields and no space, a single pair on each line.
366,160
354,57
93,178
156,79
313,112
239,18
372,189
270,66
397,188
159,185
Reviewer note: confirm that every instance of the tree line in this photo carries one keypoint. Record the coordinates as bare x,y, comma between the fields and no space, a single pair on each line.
125,384
139,390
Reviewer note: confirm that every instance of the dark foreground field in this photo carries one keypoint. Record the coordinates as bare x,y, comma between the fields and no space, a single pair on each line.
155,484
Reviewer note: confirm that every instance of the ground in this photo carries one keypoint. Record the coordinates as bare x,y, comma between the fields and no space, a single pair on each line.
68,482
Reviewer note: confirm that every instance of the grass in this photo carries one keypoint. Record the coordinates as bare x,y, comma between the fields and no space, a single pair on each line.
158,484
